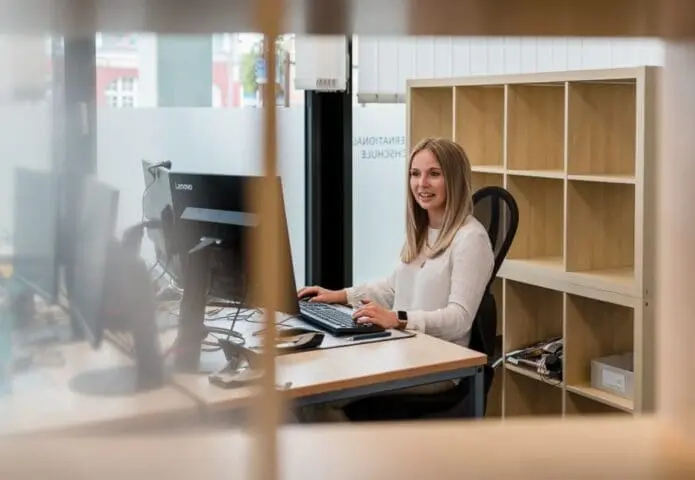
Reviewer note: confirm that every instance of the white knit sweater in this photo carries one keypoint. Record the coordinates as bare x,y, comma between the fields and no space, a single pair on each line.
440,295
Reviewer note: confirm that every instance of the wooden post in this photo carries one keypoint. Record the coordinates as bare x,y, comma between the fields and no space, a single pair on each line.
268,273
675,235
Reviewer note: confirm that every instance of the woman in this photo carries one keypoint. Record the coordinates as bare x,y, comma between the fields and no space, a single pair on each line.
446,262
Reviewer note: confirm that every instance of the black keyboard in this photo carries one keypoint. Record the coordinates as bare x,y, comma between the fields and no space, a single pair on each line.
333,320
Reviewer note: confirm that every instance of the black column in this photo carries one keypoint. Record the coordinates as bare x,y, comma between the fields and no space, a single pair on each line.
329,186
74,135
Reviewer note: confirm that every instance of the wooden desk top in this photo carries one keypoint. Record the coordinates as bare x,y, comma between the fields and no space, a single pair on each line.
322,371
576,448
42,399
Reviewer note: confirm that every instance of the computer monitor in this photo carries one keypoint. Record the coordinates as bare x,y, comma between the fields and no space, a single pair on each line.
111,290
35,236
96,230
216,207
159,218
213,217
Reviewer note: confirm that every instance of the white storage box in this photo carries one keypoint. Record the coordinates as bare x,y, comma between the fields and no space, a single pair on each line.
614,374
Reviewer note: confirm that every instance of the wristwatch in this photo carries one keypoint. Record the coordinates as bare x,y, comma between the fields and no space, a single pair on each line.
402,320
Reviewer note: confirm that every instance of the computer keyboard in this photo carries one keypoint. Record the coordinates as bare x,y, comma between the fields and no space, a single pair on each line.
333,320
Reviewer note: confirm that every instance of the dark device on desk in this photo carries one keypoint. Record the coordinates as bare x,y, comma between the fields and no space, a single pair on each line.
294,339
242,367
112,291
243,364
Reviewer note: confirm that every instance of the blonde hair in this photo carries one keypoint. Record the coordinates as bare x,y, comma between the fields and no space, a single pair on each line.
456,169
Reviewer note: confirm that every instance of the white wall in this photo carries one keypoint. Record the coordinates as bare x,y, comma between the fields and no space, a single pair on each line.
385,63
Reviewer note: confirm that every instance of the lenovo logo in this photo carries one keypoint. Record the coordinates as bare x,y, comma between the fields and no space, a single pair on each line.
183,186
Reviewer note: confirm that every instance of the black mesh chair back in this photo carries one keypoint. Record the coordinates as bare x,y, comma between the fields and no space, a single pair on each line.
498,212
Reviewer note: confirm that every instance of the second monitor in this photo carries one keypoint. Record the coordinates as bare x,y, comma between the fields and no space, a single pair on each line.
213,213
213,228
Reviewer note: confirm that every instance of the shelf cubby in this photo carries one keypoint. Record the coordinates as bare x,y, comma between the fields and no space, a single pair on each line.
602,130
601,231
480,123
576,150
540,233
431,113
531,314
525,396
536,127
581,405
595,329
480,180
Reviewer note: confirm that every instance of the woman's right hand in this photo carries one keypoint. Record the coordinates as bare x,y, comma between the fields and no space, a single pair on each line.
323,295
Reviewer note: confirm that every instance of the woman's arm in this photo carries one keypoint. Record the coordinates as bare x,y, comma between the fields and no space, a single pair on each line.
472,265
381,292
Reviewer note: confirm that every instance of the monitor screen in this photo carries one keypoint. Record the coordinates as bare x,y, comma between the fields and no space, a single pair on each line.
35,236
216,207
93,240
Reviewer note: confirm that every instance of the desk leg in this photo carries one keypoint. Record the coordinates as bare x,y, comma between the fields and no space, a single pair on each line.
478,389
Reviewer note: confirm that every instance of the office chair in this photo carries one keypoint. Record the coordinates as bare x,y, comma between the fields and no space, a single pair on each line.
497,210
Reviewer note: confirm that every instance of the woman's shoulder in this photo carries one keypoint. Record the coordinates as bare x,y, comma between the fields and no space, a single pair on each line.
472,231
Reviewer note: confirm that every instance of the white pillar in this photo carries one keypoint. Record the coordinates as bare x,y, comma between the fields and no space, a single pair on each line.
147,70
675,234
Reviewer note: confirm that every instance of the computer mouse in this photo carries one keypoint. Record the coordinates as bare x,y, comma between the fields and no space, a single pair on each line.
303,341
294,331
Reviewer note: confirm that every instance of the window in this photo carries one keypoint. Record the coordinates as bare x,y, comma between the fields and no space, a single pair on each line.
127,84
224,139
379,160
122,92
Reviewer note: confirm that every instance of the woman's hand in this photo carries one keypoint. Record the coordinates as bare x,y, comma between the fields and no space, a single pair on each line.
372,312
323,295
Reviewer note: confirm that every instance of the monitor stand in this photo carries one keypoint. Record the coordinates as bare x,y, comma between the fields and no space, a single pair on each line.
130,308
187,355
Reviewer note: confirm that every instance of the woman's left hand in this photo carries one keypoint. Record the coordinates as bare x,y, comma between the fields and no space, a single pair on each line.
372,312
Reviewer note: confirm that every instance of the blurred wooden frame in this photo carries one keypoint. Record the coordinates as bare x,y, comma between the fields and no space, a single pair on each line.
672,19
639,18
268,273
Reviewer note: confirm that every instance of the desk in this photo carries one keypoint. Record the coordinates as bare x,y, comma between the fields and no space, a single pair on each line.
42,400
349,372
576,448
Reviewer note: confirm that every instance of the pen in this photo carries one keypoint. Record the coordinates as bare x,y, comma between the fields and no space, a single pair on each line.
370,336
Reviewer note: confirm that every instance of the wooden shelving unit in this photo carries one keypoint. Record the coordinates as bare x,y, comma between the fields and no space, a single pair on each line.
576,150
